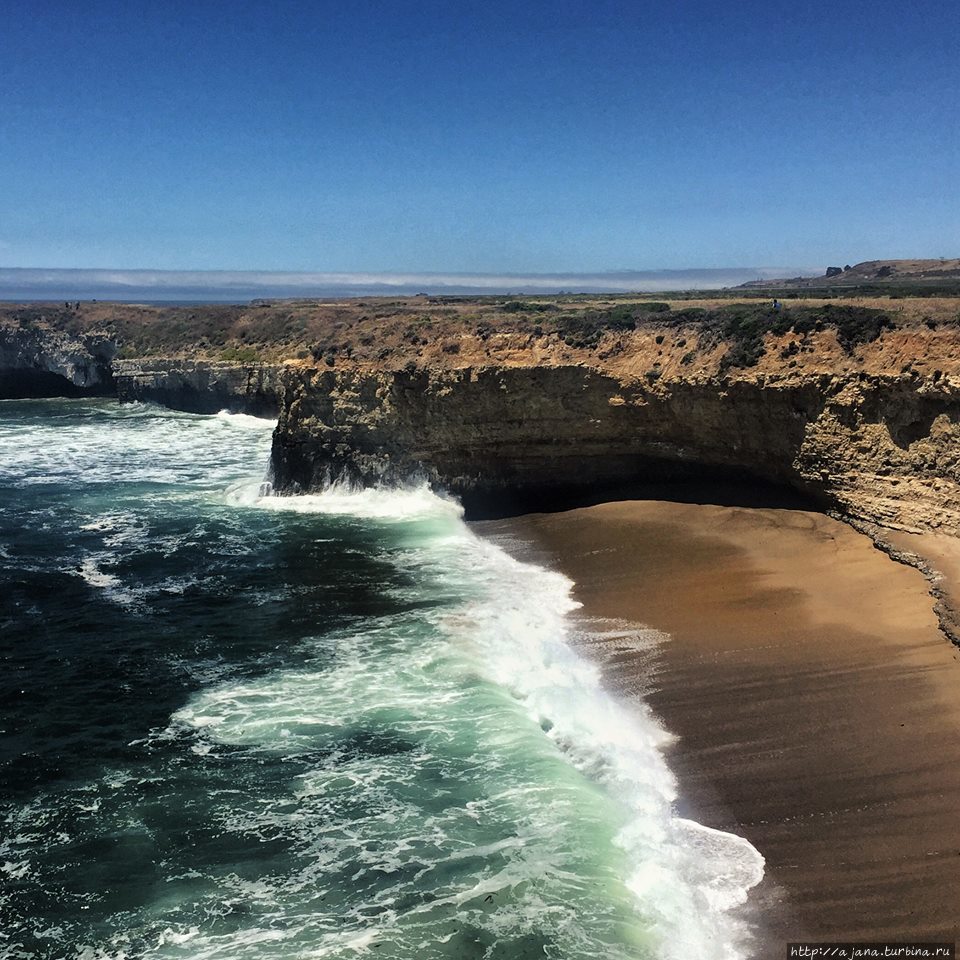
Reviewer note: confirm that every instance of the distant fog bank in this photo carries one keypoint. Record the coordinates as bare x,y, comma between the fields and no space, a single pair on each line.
27,283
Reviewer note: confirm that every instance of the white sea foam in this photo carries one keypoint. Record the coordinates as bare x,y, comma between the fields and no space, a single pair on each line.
15,870
112,586
246,421
343,499
516,631
119,529
170,447
690,874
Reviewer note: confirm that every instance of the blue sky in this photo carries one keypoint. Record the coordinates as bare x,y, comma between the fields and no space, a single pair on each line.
478,137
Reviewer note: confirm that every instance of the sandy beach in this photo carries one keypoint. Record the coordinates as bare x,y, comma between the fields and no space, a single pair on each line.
815,703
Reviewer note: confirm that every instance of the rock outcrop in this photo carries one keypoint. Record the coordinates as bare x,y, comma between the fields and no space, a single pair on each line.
883,448
39,358
199,386
38,362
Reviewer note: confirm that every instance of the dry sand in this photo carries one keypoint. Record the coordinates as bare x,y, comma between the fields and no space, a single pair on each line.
815,702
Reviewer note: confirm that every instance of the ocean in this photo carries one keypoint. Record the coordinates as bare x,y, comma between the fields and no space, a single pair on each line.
248,727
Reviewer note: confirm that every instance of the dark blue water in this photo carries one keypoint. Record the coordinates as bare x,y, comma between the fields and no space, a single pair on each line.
332,726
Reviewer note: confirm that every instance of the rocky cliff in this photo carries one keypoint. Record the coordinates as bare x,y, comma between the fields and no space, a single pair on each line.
200,386
871,429
48,351
519,404
38,362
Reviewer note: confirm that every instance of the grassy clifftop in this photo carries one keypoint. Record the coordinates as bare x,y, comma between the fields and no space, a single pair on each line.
717,333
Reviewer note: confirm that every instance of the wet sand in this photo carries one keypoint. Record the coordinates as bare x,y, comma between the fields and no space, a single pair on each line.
815,702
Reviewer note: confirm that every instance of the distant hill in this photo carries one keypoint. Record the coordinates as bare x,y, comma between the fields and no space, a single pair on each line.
870,273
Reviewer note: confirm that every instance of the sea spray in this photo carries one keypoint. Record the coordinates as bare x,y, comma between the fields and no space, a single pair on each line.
345,725
515,630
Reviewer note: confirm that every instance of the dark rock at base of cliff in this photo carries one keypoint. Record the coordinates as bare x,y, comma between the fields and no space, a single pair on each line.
29,384
201,386
691,483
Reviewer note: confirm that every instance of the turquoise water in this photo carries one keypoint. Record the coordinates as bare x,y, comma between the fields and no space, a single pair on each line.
240,726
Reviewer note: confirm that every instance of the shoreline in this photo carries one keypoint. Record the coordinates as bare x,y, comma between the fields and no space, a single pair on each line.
814,701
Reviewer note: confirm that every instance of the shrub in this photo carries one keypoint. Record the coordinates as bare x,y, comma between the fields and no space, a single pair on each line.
689,315
240,354
854,325
519,306
746,324
587,328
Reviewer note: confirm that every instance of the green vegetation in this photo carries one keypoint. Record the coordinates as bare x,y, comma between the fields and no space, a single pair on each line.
892,289
743,325
519,306
31,318
479,327
585,329
240,354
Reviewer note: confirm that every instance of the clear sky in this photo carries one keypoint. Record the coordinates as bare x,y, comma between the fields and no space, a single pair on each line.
469,136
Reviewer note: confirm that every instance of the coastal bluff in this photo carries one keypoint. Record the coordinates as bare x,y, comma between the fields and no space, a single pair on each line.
878,448
510,404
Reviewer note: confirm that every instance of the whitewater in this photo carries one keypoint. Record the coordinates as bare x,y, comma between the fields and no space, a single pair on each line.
337,725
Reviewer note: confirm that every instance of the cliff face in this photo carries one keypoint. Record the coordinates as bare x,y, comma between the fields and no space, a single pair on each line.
496,432
202,386
38,362
880,447
515,404
887,451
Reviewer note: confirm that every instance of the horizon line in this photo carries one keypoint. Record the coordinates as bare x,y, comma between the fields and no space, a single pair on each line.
55,283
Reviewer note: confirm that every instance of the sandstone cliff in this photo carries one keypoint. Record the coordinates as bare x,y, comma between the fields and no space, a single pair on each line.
73,351
870,430
497,401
